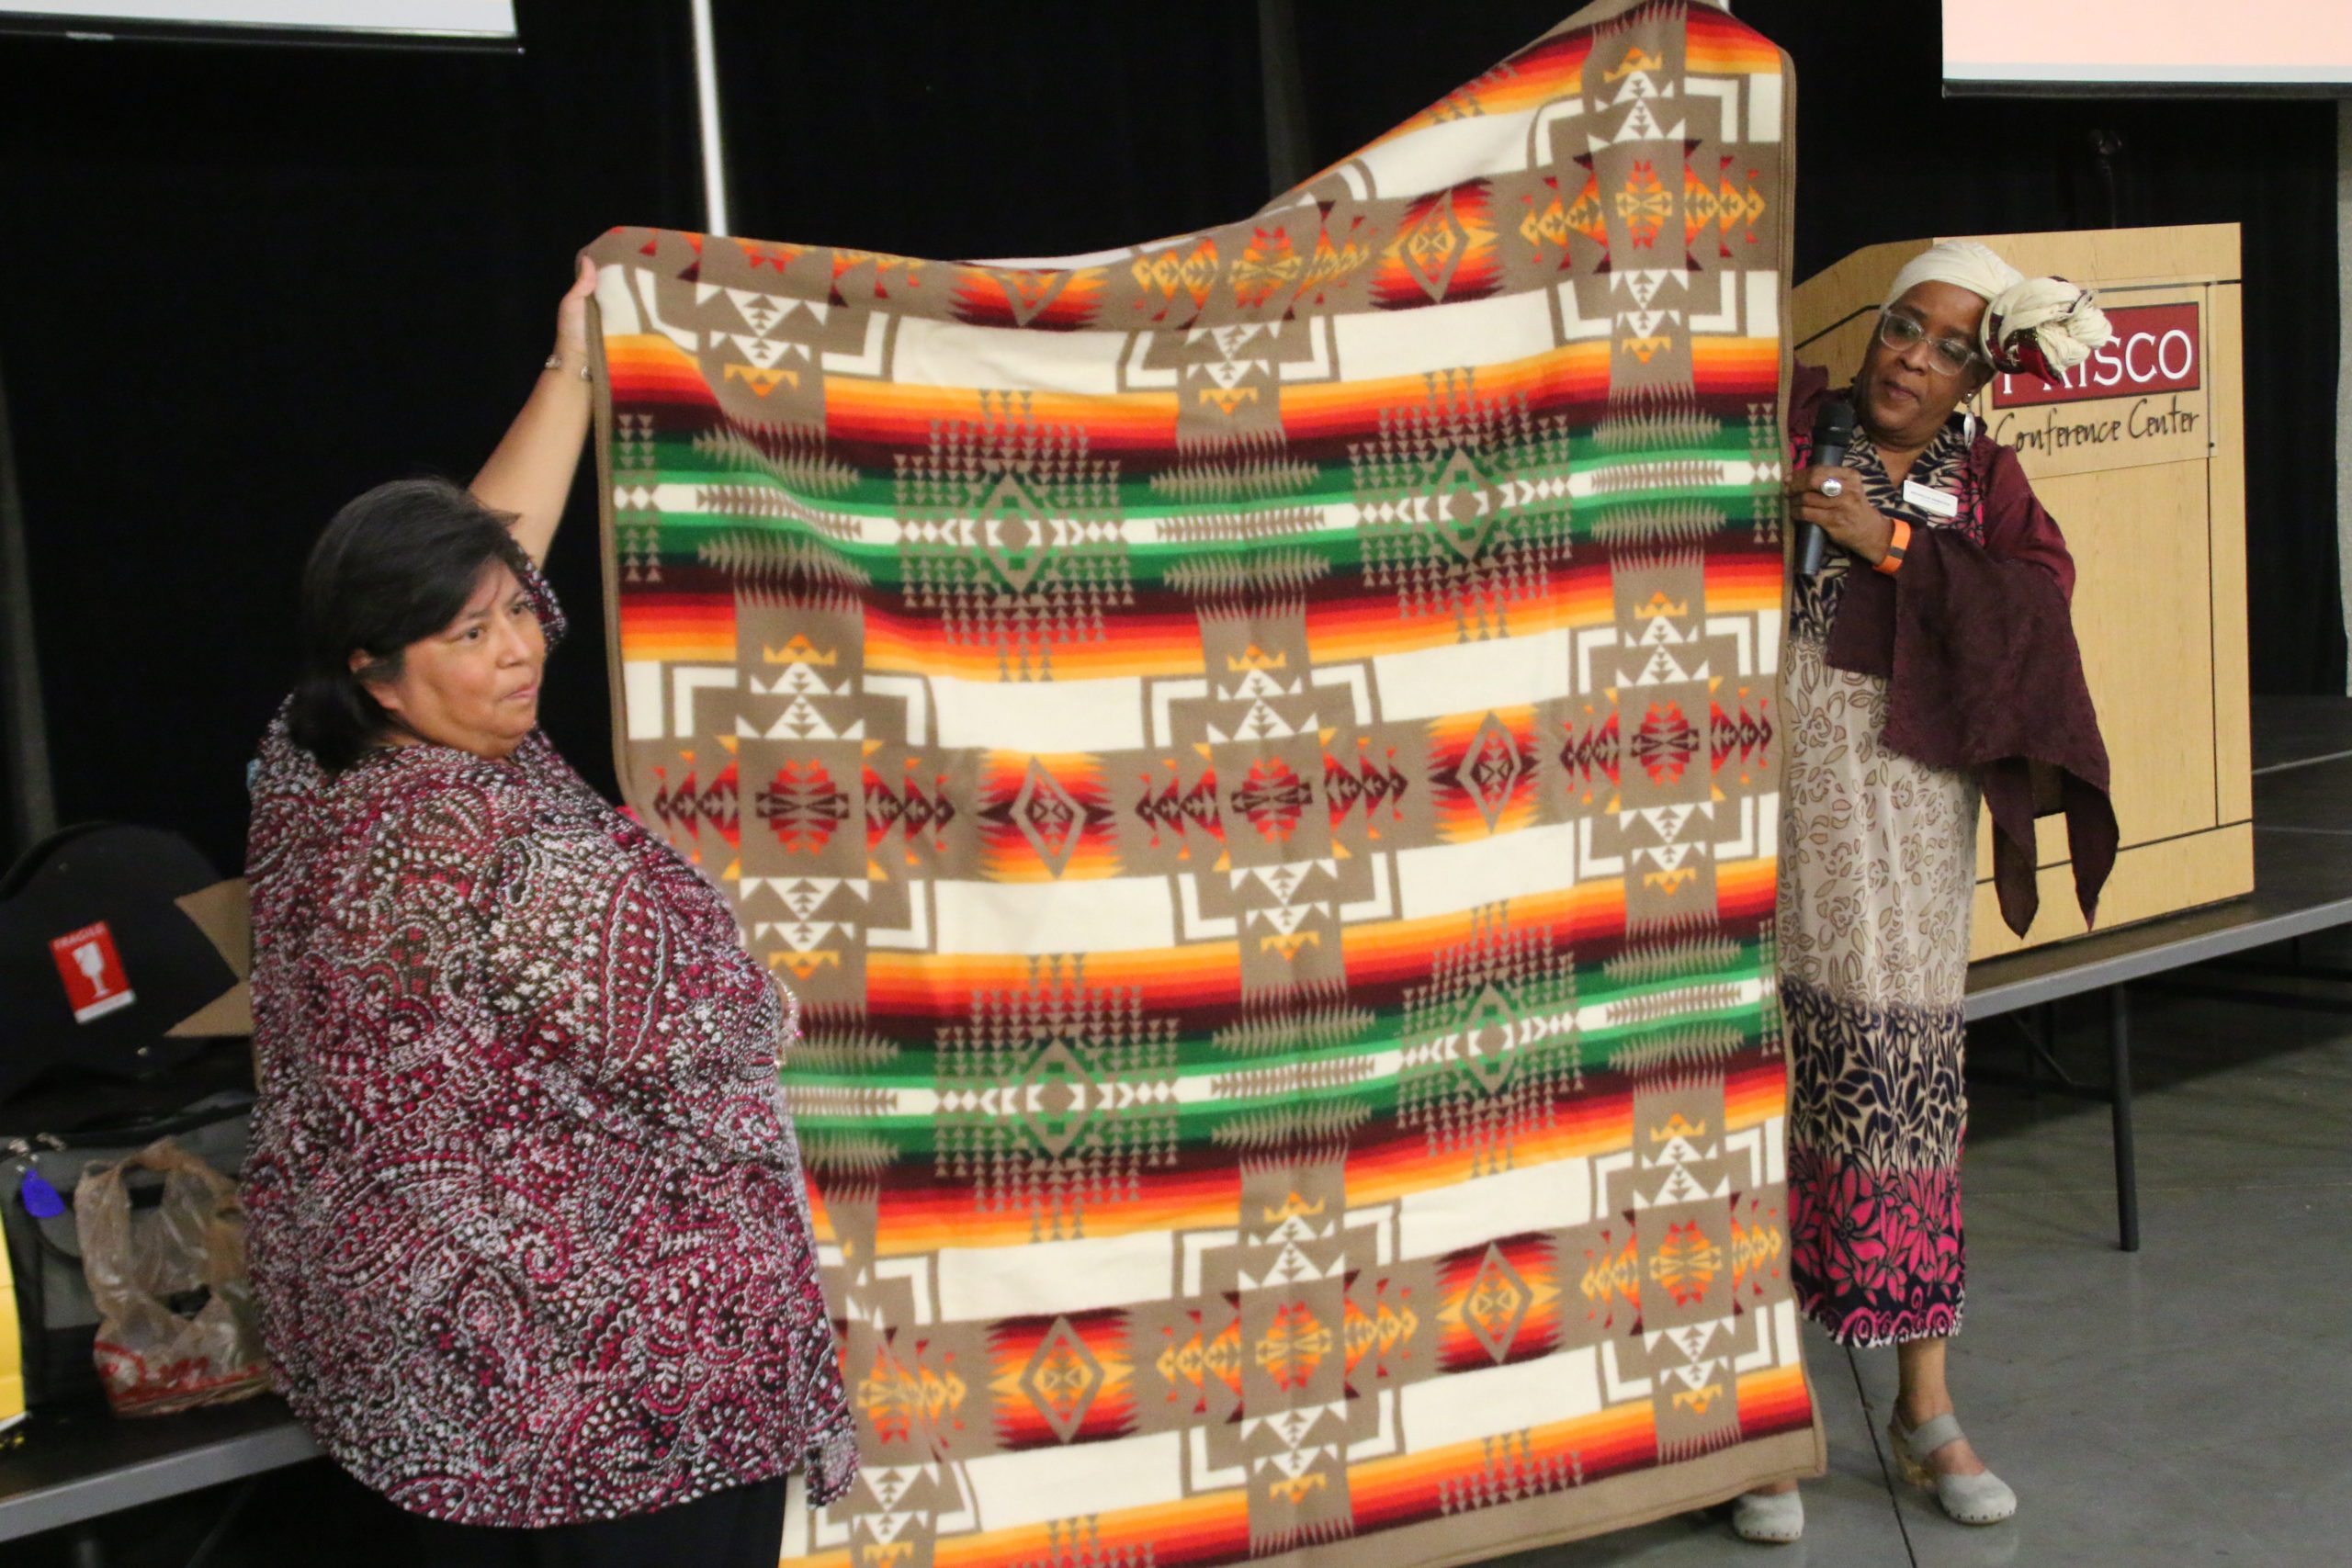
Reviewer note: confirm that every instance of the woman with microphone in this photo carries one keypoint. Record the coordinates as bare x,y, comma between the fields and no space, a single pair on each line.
1878,847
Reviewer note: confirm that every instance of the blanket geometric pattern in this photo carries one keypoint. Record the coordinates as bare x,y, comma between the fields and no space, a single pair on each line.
1256,752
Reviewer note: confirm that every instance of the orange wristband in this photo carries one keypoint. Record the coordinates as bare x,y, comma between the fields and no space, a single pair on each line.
1896,549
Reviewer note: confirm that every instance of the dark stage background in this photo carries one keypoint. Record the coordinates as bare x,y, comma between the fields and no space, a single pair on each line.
238,285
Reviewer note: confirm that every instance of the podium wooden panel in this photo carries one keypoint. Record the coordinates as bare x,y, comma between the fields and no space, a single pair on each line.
2149,489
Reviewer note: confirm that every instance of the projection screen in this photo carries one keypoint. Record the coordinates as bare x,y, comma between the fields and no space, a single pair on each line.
488,24
2142,46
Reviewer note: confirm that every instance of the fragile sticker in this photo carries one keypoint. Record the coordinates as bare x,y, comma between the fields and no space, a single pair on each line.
92,970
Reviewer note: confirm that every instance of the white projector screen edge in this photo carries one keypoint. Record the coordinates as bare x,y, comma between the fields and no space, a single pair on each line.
2149,48
448,23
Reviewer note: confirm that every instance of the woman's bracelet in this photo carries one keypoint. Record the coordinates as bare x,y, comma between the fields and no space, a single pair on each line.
1898,547
555,362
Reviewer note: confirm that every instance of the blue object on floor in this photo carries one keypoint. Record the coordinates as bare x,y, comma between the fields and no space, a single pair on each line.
40,1199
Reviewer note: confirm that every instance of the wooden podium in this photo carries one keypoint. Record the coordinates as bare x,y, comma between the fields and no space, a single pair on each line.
2142,459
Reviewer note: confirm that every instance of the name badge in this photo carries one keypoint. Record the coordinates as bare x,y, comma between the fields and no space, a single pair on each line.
1939,504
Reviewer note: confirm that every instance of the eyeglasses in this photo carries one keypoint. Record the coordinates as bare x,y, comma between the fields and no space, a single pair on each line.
1951,354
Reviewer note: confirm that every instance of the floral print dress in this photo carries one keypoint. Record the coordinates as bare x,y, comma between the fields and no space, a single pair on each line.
1878,868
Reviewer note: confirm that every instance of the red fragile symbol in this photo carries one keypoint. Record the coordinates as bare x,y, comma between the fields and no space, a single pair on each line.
92,970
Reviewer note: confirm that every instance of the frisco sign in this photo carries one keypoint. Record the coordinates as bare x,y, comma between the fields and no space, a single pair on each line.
2153,350
2155,356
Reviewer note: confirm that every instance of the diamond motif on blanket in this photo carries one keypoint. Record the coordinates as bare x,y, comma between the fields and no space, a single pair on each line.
1460,513
1049,817
1686,1262
1492,769
1433,246
1057,1098
1010,534
1295,1345
1063,1377
1497,1304
1666,742
1274,799
804,806
1489,1044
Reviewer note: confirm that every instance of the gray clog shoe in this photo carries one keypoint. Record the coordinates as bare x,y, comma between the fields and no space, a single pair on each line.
1981,1499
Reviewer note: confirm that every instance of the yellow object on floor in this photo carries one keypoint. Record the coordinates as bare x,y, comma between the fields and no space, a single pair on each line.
12,1358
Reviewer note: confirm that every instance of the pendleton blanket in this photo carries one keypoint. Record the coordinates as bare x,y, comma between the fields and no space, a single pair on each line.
1256,751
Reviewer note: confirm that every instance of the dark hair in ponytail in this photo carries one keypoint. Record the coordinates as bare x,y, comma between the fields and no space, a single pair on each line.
396,565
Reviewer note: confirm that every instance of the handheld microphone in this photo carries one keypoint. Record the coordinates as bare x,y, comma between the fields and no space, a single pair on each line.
1832,433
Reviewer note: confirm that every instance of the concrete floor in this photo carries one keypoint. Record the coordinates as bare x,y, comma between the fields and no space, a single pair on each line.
2186,1405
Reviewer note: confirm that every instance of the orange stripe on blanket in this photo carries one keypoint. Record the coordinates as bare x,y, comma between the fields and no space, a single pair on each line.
649,367
1365,626
1721,46
681,628
1753,1096
1214,1526
910,1224
1746,581
902,414
1570,916
1594,1124
1727,364
1422,1484
1209,974
1745,888
1773,1400
942,985
1142,645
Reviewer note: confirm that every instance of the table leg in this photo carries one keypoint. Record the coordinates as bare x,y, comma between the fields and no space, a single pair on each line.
89,1551
2127,1164
223,1525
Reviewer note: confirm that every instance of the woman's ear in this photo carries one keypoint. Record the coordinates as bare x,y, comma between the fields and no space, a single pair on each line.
387,694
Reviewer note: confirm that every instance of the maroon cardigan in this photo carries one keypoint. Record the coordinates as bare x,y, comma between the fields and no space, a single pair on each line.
1982,674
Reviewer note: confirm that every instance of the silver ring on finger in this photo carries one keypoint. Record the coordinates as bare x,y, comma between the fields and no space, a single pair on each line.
1833,486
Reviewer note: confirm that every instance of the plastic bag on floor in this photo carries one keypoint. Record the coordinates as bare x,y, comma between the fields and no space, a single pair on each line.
175,1317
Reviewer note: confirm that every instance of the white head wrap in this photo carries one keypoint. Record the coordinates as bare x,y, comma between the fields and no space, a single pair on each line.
2039,324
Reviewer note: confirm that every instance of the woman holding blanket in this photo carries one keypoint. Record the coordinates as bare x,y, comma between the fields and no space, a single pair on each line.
1929,662
528,1227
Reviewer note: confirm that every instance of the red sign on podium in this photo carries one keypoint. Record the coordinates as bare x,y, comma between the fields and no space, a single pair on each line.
2155,349
92,970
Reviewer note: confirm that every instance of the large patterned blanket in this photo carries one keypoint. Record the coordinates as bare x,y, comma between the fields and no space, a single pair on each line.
1256,752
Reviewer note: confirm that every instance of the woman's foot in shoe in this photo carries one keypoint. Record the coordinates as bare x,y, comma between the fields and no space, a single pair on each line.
1934,1455
1953,1459
1773,1515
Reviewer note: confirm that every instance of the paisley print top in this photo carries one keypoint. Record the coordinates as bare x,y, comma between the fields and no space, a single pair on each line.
528,1226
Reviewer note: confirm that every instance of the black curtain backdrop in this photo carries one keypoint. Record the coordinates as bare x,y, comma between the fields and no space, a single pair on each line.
1050,128
238,285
